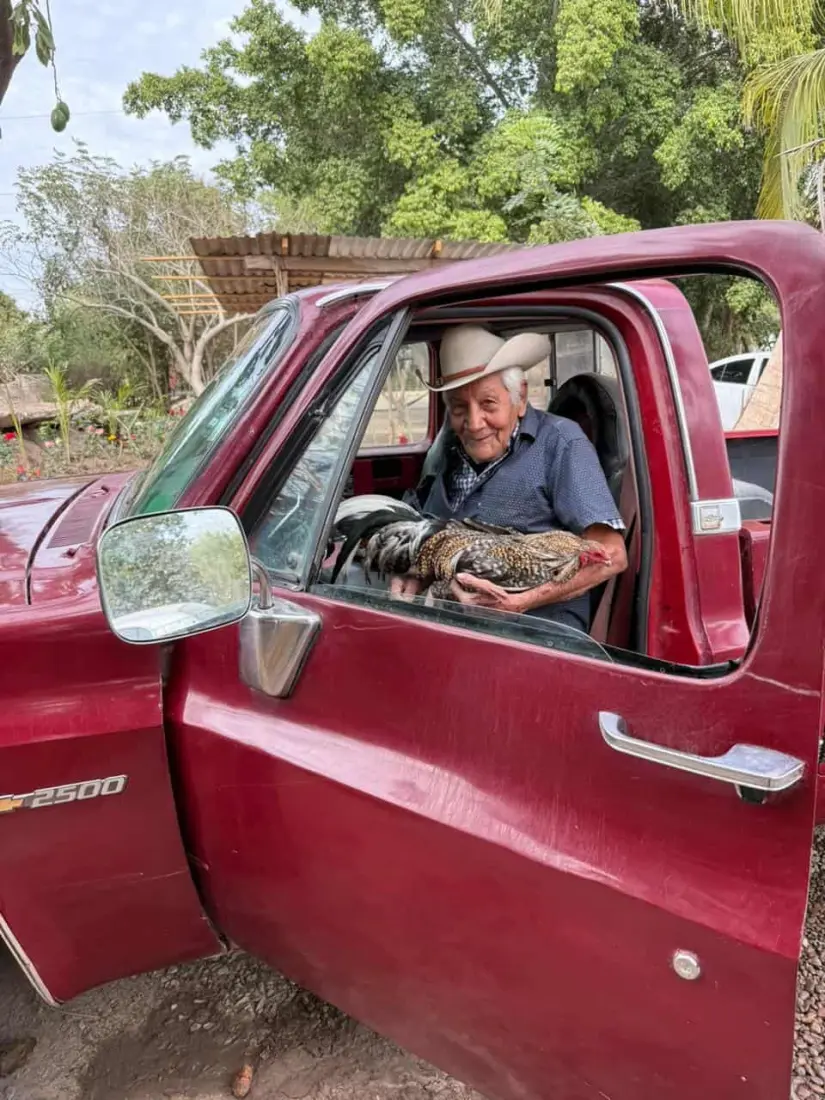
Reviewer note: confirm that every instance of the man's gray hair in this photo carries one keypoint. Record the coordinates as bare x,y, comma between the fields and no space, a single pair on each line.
513,379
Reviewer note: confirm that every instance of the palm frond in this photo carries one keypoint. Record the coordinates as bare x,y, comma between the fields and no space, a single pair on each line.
787,100
489,10
743,21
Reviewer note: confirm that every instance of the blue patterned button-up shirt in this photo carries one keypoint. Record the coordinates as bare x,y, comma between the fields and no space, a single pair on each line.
549,477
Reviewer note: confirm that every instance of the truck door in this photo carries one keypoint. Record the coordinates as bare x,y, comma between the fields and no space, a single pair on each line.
553,871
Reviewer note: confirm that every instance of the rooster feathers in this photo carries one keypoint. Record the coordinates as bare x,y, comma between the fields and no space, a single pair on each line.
401,542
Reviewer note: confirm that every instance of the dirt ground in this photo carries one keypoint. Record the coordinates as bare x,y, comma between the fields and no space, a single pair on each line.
184,1033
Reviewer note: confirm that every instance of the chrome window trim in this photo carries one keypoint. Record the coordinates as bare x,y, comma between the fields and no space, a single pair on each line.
335,297
673,376
24,962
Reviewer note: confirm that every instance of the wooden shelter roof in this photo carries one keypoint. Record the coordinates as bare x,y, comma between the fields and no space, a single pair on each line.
244,273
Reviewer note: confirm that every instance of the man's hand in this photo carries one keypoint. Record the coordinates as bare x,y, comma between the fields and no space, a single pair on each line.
486,594
405,588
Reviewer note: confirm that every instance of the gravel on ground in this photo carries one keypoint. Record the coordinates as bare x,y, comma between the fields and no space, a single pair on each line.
186,1032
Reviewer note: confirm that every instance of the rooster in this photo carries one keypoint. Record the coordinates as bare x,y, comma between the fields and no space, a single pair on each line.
400,542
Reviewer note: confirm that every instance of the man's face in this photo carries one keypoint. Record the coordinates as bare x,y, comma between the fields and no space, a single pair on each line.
482,415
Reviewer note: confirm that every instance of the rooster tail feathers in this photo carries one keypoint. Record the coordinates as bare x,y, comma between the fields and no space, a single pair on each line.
394,548
370,504
364,517
355,529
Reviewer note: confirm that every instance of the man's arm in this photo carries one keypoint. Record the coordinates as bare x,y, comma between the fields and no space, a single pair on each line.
485,594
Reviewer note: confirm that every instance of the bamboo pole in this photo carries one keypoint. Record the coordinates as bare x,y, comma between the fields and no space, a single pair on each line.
186,297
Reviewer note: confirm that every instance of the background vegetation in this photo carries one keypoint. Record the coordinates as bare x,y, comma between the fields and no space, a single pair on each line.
528,121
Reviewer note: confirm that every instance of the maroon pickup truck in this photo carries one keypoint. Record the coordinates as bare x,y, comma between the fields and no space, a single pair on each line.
555,863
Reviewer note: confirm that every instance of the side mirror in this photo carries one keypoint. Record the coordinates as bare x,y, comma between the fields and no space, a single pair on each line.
173,574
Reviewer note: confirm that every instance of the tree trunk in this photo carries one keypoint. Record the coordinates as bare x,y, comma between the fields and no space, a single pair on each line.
195,375
762,411
8,60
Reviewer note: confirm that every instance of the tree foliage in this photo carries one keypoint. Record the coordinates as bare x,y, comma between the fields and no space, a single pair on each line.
782,46
23,24
88,231
523,121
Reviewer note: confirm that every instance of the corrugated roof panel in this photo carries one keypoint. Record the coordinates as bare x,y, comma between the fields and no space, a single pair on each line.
222,261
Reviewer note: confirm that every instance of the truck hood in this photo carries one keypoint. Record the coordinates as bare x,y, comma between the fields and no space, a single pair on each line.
47,534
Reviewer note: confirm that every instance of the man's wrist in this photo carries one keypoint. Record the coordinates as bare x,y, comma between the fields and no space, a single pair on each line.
536,597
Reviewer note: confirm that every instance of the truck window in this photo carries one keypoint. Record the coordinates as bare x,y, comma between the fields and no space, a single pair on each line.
737,371
401,416
213,415
286,537
574,352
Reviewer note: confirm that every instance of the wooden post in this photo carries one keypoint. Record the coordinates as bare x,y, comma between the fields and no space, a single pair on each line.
762,411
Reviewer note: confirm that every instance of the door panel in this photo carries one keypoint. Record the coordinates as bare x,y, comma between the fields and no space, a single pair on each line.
390,472
432,834
98,887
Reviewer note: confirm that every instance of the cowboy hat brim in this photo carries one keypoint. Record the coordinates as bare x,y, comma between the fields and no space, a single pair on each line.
523,351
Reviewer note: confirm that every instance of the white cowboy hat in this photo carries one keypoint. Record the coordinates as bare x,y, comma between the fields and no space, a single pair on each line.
470,352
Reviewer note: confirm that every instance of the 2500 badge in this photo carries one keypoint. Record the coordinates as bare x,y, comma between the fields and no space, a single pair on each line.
67,792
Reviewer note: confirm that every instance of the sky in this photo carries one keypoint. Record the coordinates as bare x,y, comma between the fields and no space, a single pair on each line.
101,47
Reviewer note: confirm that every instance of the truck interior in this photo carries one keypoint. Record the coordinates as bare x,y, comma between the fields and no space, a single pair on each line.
609,360
579,380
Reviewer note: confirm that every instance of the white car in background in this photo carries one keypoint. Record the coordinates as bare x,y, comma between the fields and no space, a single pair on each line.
734,380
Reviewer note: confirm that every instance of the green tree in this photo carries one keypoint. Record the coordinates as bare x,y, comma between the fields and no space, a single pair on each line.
522,121
782,47
21,340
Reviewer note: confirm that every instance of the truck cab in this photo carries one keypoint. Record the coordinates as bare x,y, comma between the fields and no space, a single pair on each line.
551,861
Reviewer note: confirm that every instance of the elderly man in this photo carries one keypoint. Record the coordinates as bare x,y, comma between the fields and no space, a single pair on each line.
510,464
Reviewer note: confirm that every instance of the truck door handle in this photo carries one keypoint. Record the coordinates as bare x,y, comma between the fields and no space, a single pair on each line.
754,771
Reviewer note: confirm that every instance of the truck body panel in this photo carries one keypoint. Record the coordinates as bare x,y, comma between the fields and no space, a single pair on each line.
432,830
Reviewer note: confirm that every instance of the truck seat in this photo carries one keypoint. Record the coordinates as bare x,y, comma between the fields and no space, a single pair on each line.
595,403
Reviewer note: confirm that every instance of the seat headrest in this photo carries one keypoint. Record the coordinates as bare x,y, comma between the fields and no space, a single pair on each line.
595,403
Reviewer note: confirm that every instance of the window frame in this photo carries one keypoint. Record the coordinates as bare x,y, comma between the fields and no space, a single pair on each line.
416,447
386,336
391,332
627,382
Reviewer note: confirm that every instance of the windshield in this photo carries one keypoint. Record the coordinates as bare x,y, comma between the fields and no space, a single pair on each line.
212,416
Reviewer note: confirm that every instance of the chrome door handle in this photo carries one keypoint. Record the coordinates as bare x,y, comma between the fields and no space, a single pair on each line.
747,767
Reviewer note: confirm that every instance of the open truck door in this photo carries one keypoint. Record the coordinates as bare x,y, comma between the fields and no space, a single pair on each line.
553,869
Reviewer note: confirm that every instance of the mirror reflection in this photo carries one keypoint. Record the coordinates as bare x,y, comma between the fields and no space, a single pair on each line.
173,574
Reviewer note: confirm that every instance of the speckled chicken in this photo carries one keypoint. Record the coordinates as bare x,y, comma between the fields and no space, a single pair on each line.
436,551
